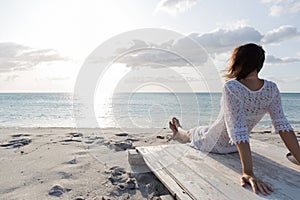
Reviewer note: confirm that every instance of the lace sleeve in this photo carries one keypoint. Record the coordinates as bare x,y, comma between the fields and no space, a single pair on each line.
279,120
235,119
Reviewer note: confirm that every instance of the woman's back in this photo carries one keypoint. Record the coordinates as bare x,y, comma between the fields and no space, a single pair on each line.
241,109
254,104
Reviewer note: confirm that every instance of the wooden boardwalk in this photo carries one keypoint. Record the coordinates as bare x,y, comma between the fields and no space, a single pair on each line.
192,174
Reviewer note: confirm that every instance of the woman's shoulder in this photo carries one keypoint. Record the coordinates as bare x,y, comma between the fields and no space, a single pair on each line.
270,84
236,83
231,86
235,86
230,83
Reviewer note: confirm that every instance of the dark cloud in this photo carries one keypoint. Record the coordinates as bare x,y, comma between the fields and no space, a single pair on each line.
17,57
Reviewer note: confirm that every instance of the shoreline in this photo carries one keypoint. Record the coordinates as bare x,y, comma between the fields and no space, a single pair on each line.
255,129
85,163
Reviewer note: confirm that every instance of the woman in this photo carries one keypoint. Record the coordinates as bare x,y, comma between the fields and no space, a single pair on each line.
245,100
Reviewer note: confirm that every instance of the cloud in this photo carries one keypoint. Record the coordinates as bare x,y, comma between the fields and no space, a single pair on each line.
233,24
280,7
271,1
174,7
158,58
17,57
295,8
274,60
198,48
166,78
280,34
276,79
222,40
276,10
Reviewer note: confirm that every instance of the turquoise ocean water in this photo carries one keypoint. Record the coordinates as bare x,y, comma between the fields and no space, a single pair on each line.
139,110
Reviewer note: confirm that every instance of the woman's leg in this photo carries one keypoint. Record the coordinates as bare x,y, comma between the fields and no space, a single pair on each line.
178,131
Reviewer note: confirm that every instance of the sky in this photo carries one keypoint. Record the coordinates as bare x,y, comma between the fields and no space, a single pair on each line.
44,45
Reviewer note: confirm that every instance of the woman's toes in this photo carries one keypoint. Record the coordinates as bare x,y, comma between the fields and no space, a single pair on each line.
170,125
174,129
174,119
176,122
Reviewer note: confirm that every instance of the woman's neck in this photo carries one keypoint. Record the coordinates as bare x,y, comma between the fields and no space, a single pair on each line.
252,81
252,76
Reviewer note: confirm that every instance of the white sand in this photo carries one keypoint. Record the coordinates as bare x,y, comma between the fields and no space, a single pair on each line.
58,163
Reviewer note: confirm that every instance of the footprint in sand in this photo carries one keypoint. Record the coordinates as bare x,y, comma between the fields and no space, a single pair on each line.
72,137
65,175
70,140
120,146
76,134
123,181
92,138
14,143
20,135
121,134
71,162
58,190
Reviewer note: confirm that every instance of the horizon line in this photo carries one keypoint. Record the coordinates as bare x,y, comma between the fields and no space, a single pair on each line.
145,92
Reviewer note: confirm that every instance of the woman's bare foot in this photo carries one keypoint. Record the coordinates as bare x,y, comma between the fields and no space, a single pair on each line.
175,121
174,129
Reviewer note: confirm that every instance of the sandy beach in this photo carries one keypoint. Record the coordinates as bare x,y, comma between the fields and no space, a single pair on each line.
66,163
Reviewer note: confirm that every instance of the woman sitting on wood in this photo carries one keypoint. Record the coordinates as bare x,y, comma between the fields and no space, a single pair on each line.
245,100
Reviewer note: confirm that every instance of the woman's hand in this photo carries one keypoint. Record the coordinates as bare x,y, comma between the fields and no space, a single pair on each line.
256,184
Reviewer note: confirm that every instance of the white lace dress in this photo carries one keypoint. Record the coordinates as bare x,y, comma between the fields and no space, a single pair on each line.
241,110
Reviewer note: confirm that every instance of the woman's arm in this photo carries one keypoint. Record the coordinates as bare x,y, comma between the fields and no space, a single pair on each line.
246,157
236,126
248,174
290,140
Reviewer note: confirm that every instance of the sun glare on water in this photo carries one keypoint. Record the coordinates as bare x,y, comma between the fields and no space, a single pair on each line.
105,90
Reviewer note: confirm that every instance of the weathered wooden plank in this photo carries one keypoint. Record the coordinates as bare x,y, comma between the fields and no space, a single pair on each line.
284,181
166,197
135,158
273,166
284,177
273,152
173,166
208,167
175,189
212,176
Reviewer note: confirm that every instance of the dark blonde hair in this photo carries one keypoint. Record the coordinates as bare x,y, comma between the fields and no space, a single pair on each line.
244,60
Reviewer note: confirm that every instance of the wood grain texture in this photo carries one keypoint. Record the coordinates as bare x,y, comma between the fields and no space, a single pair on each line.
192,174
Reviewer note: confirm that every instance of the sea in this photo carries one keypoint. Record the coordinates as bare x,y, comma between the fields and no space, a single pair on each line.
123,110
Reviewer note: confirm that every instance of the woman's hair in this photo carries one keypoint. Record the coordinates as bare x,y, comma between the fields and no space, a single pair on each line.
244,60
